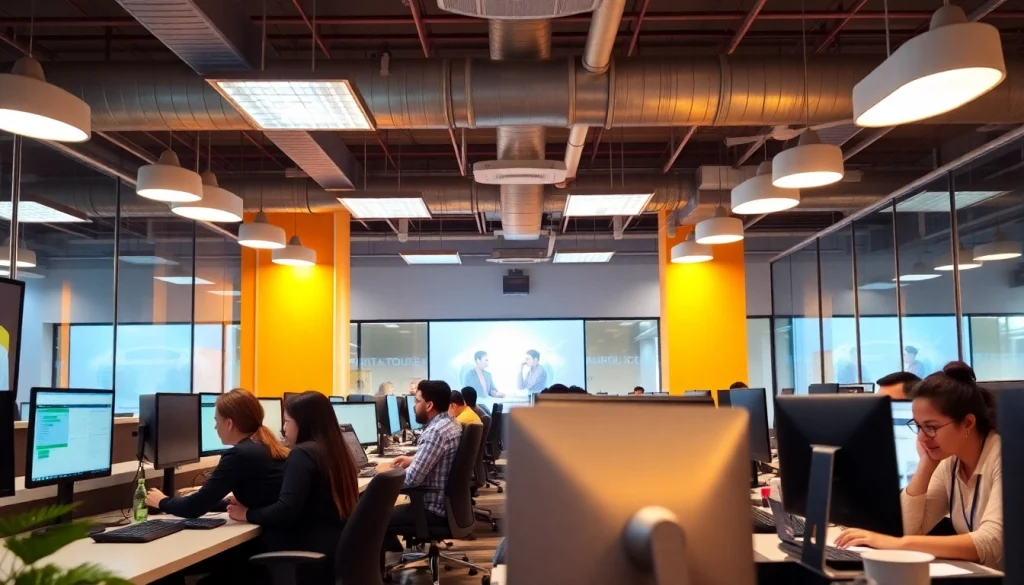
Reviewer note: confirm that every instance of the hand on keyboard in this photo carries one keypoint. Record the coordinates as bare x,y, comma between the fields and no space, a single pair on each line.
857,537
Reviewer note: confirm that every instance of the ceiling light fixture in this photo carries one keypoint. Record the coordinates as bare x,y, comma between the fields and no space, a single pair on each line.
918,272
719,229
579,256
34,210
690,252
294,254
261,234
610,205
25,259
217,204
757,195
431,257
938,71
183,279
1001,249
374,206
808,164
29,106
147,260
167,181
966,259
299,104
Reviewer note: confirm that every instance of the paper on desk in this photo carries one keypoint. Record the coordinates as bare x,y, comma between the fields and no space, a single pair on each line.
945,570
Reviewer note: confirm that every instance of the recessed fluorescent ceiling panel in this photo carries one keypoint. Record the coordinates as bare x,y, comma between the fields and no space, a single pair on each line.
606,205
298,105
386,207
938,202
40,212
431,257
183,280
579,256
148,260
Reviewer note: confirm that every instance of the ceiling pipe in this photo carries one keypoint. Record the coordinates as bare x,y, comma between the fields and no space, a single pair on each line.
597,57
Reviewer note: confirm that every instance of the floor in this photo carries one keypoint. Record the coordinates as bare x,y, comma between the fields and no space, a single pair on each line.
480,549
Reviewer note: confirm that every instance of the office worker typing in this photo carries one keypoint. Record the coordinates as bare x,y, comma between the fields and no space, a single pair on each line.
319,491
252,469
953,505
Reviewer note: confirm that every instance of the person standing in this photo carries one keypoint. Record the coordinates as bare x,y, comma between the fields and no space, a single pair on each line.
479,378
535,377
910,363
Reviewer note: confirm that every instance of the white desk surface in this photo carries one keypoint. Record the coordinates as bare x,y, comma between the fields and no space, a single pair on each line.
145,563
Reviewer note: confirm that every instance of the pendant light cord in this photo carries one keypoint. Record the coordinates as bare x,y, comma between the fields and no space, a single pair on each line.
263,39
888,43
803,44
31,26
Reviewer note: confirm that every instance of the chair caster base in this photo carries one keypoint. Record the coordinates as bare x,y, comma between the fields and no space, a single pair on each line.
501,490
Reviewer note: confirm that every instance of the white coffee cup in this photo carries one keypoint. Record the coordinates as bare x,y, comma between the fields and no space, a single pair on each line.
897,567
776,488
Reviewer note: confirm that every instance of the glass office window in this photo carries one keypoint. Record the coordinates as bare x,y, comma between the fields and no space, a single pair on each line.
924,247
353,355
880,349
622,354
838,307
802,307
216,344
759,359
391,355
782,322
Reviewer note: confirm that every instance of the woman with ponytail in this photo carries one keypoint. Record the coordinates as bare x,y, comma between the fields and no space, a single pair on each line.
953,506
252,469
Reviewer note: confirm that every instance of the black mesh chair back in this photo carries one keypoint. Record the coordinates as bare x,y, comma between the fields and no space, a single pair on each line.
358,558
494,435
480,471
458,493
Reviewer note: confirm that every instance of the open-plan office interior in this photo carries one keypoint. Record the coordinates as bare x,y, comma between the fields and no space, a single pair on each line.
677,260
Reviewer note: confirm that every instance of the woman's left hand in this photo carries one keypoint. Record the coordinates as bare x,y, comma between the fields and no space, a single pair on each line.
857,537
237,512
154,497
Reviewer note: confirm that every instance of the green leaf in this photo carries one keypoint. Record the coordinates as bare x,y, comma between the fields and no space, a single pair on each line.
90,574
25,521
38,576
32,548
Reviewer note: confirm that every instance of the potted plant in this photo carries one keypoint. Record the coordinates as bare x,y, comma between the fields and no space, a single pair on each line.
29,549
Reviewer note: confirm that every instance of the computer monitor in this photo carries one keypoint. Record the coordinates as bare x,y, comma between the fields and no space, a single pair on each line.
837,459
394,419
787,392
70,438
288,395
1010,409
755,402
410,412
209,442
359,398
907,456
624,399
169,432
273,417
12,303
336,399
362,417
823,389
633,515
1003,385
348,434
697,393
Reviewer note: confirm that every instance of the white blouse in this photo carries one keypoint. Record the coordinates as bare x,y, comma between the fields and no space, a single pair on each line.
983,520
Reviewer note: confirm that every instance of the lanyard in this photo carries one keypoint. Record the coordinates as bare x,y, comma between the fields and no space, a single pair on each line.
968,517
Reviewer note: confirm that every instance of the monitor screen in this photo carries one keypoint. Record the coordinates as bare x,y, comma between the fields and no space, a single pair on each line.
394,423
354,447
209,442
71,435
363,418
410,405
272,418
906,441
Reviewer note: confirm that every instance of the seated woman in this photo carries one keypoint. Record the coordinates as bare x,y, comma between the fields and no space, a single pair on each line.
319,492
252,469
953,506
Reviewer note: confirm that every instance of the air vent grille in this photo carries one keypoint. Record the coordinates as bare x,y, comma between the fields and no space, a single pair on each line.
518,9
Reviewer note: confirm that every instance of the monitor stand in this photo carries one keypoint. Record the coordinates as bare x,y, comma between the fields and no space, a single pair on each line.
168,482
754,474
381,439
819,496
655,543
66,497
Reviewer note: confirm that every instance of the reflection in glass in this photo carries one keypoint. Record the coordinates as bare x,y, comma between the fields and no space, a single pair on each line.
622,354
391,356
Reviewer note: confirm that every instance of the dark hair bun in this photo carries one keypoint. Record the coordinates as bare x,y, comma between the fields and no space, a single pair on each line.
960,371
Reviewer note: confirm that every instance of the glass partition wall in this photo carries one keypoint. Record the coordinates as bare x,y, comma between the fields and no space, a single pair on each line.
931,276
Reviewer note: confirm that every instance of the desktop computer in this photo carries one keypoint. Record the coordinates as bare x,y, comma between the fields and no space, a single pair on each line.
288,395
624,399
273,416
70,438
672,511
209,442
12,303
336,399
359,398
755,402
363,418
1010,409
907,456
823,389
1002,385
837,460
703,393
387,414
169,432
410,412
864,388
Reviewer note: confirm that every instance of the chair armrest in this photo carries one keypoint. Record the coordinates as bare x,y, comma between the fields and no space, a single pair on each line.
296,557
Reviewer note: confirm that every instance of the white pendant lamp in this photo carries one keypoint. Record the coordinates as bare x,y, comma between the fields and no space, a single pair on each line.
938,71
690,252
31,107
25,258
1001,249
757,195
808,164
966,258
294,254
217,204
719,229
261,234
167,181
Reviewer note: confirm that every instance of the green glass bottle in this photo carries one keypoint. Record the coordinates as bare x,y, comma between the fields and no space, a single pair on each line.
140,511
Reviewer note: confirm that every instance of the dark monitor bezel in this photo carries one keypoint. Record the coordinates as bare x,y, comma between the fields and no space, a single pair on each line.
1010,411
403,411
148,432
203,453
285,396
628,398
30,440
825,388
391,427
758,445
410,412
1001,385
7,430
359,405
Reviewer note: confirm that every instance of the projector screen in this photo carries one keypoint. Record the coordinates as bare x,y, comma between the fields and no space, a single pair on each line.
507,361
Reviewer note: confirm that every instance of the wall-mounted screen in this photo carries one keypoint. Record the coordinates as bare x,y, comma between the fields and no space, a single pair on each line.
507,361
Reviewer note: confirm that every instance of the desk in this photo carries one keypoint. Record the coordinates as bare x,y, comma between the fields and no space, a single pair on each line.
145,563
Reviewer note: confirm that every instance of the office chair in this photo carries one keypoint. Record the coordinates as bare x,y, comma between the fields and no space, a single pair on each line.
493,448
357,560
480,478
459,512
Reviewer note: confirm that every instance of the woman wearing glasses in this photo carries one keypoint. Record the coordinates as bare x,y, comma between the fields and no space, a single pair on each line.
953,506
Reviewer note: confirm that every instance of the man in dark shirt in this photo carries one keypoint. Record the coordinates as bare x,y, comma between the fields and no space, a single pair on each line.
895,385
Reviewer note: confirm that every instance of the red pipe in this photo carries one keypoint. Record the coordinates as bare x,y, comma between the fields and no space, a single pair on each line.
636,28
748,21
309,24
421,31
835,30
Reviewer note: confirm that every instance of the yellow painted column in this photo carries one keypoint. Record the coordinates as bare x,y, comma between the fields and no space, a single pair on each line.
703,317
295,320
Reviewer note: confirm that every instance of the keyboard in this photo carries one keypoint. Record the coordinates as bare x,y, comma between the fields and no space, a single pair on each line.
368,472
831,553
764,522
147,531
203,523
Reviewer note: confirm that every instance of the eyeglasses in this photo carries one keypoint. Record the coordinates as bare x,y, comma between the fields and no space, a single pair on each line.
929,430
